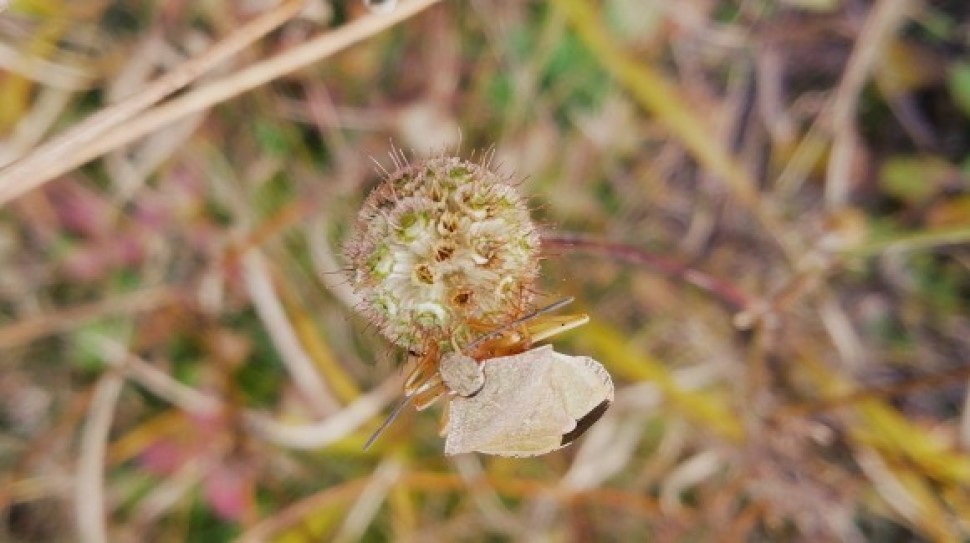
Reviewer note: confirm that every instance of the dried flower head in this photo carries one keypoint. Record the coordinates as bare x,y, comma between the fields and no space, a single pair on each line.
443,247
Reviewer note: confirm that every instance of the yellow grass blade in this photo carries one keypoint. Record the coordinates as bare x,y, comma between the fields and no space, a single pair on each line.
707,408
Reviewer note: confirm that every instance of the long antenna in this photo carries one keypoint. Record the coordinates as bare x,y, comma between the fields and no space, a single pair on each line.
387,422
542,310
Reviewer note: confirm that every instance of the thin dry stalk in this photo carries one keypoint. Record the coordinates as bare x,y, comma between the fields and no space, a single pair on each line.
265,530
608,447
89,504
168,494
486,499
32,126
887,485
362,513
963,435
325,262
270,310
112,133
65,320
307,436
53,158
689,473
916,241
44,71
438,483
158,382
334,428
879,28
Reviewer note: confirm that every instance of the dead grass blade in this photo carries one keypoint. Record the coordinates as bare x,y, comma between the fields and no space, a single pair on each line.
89,496
661,98
53,158
36,169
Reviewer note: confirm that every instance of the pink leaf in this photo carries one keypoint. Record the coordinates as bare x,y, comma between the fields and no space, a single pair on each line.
229,491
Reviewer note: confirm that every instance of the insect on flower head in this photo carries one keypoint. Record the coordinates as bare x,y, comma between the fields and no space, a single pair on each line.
445,259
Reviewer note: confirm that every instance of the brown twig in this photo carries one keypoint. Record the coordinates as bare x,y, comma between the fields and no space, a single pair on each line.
63,320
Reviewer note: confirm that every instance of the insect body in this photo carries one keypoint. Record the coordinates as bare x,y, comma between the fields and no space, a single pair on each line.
487,372
531,403
425,384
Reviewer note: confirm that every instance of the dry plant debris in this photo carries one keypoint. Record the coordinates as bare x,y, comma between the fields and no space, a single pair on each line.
763,206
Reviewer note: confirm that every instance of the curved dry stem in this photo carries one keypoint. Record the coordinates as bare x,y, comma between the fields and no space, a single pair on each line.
332,429
158,382
270,310
304,436
89,487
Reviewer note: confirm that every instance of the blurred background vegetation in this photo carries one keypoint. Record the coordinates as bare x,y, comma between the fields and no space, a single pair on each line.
764,205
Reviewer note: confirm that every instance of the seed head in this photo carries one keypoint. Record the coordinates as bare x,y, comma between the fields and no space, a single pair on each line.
443,246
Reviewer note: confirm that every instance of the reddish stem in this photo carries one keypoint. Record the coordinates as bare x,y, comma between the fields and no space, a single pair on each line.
729,294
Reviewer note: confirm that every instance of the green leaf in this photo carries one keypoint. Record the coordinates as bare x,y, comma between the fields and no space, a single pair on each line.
959,83
915,179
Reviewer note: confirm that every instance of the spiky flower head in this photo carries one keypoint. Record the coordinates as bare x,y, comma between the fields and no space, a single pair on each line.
443,247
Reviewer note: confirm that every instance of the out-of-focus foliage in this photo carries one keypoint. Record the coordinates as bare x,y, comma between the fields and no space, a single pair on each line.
763,206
